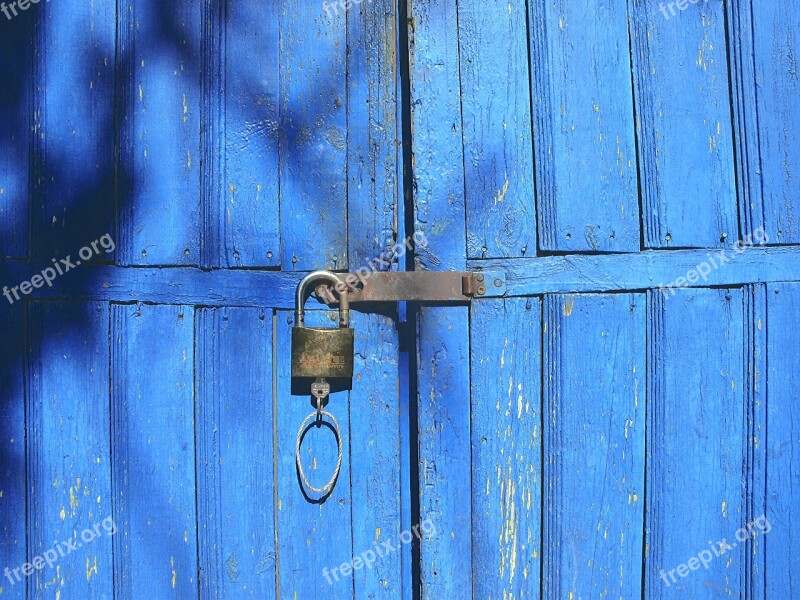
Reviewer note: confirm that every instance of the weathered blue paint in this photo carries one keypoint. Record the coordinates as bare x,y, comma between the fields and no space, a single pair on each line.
594,430
153,451
765,39
443,413
375,456
73,122
311,536
235,453
586,178
683,108
158,180
782,441
505,359
696,444
241,189
313,137
16,50
272,134
69,455
498,153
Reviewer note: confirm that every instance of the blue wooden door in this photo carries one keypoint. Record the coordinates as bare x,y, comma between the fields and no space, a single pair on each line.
620,421
616,418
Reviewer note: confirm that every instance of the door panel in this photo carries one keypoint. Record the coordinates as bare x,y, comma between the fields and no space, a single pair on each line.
498,161
506,432
586,179
235,452
593,500
159,177
696,440
153,451
782,434
69,457
685,142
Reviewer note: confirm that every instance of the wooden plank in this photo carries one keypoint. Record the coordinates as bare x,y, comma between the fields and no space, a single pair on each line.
505,358
755,364
496,108
598,273
766,40
594,445
683,106
517,277
443,415
375,223
586,171
375,458
68,458
153,452
443,423
696,441
782,564
13,540
240,137
743,86
16,50
313,135
73,121
236,508
314,539
177,285
159,132
372,131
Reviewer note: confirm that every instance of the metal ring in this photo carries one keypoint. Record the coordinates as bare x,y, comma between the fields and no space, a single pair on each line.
304,427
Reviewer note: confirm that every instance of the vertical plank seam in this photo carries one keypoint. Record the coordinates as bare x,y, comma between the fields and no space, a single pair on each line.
541,134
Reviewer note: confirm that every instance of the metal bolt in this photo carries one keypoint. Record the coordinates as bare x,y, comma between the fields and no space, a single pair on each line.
481,291
498,283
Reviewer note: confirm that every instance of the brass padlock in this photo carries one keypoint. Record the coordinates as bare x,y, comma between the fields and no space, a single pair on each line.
318,352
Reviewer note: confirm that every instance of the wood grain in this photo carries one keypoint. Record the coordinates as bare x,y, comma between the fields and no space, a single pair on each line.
594,445
73,123
696,443
159,132
683,108
312,536
153,451
505,359
496,109
69,456
586,178
313,137
782,566
235,453
241,87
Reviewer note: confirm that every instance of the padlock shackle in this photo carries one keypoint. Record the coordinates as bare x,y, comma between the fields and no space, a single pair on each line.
300,297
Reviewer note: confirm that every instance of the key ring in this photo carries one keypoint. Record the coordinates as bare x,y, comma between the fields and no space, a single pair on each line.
301,433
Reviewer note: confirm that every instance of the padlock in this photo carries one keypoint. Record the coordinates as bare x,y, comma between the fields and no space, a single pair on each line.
318,352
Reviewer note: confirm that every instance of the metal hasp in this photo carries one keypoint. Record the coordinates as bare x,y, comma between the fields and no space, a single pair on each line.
406,286
318,352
